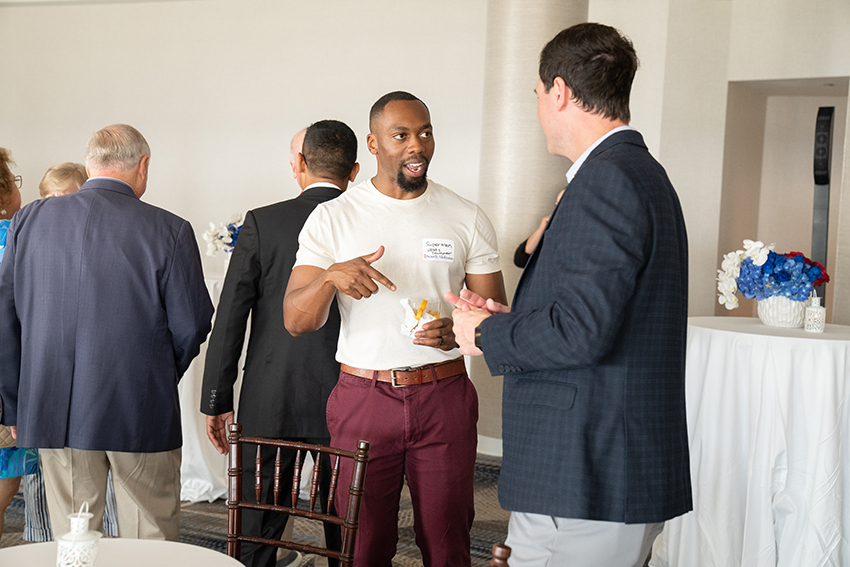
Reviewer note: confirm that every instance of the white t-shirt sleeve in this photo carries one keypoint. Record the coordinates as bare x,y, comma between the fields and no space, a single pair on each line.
315,242
484,252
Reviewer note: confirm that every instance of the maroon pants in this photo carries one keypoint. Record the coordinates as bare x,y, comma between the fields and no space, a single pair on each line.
424,433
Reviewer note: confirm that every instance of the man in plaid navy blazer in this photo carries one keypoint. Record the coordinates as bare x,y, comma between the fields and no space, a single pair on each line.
593,348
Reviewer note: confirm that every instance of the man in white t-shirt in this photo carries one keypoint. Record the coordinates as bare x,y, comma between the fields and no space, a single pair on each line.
416,239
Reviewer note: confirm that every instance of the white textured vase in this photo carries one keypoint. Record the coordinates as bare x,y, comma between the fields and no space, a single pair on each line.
777,311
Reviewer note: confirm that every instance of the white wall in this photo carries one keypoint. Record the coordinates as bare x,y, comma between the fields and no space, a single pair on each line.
645,23
787,188
797,42
219,87
768,183
692,131
713,42
784,39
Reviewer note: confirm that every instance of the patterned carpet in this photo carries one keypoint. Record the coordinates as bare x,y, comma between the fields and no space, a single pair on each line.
205,523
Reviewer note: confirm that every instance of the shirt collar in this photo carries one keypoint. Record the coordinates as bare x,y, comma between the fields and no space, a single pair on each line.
321,184
571,172
113,179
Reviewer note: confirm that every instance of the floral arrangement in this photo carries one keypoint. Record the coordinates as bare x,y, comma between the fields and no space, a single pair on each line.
759,272
223,237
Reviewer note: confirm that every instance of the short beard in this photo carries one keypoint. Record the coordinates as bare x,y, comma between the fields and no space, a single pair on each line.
412,184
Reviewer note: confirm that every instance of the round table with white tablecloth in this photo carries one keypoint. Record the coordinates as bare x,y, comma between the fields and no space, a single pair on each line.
122,552
769,429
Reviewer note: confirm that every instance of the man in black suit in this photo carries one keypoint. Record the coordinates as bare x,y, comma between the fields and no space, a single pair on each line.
287,380
593,348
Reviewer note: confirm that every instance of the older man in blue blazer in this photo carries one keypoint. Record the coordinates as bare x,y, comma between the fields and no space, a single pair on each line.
102,308
593,348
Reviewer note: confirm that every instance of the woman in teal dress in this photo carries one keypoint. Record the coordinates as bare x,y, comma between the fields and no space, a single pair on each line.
14,462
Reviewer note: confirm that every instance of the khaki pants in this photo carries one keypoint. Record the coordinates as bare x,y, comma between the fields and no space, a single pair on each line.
147,490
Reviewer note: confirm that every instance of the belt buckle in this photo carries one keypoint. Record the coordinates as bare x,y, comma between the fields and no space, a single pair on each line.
392,374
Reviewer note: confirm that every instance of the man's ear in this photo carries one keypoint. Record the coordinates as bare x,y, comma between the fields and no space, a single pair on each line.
372,144
354,171
300,170
142,171
563,93
141,177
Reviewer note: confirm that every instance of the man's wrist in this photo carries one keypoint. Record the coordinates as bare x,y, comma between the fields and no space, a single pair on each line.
478,337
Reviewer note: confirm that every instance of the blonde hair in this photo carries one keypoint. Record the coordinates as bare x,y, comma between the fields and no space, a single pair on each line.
62,179
5,186
118,147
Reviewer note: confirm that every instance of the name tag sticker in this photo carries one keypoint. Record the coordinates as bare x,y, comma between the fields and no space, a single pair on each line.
439,250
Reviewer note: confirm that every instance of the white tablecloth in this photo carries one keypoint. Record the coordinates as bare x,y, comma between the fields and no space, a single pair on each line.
203,470
769,428
119,552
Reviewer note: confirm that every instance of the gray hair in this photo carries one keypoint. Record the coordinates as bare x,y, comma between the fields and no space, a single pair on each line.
118,147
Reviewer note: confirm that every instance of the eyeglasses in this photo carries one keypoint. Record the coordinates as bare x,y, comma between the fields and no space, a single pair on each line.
19,181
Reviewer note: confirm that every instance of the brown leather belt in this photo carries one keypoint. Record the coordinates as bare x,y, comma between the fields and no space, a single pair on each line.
411,376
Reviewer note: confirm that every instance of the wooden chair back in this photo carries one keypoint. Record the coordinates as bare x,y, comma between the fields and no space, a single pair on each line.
235,503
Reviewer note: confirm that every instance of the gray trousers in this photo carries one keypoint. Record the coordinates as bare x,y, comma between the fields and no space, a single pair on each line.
546,541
